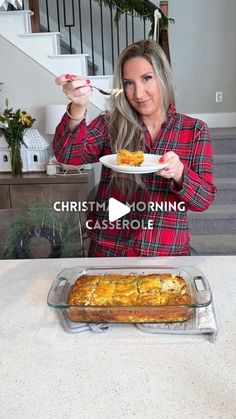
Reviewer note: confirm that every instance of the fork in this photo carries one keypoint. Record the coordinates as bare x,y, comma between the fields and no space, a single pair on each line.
103,92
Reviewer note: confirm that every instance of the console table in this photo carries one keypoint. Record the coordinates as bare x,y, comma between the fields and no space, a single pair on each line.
31,187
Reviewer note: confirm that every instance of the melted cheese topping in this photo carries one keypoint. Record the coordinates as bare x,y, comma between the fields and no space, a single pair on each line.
129,290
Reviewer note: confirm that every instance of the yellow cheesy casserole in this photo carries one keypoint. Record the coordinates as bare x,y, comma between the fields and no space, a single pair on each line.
161,297
128,158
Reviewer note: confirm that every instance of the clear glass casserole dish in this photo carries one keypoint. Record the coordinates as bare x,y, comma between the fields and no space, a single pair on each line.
197,290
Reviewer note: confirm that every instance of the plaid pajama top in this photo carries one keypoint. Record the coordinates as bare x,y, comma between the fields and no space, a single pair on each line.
187,137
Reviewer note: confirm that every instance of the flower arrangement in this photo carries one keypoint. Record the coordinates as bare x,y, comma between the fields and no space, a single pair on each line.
12,127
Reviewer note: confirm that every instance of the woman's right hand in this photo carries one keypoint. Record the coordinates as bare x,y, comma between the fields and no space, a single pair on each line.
78,91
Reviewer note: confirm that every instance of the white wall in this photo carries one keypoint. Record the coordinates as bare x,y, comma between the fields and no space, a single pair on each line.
203,55
26,84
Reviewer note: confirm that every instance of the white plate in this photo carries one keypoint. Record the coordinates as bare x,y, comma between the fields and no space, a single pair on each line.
150,165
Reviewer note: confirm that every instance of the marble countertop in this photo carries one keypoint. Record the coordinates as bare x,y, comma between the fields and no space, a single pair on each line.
122,374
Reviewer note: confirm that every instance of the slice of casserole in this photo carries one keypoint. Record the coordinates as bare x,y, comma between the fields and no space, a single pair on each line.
129,158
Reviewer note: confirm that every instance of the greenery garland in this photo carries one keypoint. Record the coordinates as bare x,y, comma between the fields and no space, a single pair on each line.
142,8
40,224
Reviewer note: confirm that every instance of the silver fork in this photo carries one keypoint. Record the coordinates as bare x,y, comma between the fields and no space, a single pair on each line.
103,92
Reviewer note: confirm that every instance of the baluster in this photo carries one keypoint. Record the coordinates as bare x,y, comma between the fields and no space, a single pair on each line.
58,17
69,25
102,41
80,28
112,40
118,37
144,28
92,43
47,13
132,20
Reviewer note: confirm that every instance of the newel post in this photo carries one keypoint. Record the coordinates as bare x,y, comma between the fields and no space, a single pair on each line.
163,39
35,20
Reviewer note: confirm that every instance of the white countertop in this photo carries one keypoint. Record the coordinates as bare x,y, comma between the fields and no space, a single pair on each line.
122,374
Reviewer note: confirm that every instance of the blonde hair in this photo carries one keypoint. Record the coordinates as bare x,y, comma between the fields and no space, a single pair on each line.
126,128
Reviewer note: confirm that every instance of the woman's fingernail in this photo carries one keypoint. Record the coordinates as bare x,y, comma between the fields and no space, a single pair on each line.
161,160
88,82
67,76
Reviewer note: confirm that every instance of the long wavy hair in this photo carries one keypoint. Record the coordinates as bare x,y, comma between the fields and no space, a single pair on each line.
126,127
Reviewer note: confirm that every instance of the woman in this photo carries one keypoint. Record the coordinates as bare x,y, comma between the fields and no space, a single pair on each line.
142,117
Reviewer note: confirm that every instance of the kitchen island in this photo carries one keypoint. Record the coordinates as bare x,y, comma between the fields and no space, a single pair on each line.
122,374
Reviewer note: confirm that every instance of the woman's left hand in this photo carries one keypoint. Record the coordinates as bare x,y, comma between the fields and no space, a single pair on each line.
175,167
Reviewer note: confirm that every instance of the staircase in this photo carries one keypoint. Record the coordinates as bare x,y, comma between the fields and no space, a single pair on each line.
214,231
45,49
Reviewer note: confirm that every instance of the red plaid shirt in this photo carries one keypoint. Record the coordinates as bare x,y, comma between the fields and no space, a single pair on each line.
187,137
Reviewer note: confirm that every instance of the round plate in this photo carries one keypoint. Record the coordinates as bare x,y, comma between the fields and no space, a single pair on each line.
150,165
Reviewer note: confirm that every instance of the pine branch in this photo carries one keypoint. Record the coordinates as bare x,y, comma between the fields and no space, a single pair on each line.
141,8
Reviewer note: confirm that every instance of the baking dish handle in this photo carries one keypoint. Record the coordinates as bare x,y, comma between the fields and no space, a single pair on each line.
58,291
203,291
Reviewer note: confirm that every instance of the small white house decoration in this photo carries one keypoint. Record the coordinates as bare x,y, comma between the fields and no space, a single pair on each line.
5,156
15,3
34,154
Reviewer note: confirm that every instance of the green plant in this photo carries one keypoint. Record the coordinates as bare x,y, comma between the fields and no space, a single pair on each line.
58,233
142,8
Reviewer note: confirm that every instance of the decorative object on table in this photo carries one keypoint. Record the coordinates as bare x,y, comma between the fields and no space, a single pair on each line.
52,166
55,167
13,125
51,169
34,151
16,3
5,156
69,169
41,232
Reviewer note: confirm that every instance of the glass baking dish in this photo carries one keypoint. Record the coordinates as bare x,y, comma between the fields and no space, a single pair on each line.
197,287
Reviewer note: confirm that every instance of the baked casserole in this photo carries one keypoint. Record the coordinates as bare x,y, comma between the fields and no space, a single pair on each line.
129,298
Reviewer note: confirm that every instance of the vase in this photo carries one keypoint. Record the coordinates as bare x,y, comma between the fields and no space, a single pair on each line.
16,162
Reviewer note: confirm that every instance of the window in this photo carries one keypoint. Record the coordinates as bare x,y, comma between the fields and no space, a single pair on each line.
5,158
35,158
